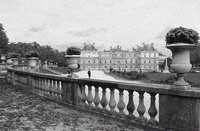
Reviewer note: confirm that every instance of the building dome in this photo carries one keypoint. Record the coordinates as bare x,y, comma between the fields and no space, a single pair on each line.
89,47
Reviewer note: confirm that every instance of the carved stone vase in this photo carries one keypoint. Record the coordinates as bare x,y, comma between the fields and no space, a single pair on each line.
32,61
73,64
15,61
180,63
9,61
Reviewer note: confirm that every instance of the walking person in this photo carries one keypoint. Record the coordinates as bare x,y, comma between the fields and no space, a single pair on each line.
89,74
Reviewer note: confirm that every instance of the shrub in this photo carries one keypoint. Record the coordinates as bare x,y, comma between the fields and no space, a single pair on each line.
182,35
72,50
32,54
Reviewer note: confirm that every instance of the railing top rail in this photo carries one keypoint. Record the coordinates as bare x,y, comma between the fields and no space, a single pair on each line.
147,87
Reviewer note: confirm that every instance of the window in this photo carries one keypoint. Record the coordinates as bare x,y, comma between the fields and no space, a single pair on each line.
149,61
144,61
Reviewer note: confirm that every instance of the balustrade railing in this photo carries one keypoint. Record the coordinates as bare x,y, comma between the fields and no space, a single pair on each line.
120,100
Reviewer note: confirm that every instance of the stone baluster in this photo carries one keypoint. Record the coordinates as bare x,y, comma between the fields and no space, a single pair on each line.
45,85
83,96
90,97
49,86
104,101
59,89
152,109
42,85
96,98
112,102
33,82
39,83
53,87
36,83
121,104
56,88
131,105
141,108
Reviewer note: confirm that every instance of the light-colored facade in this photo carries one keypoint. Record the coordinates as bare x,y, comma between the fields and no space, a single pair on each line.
145,58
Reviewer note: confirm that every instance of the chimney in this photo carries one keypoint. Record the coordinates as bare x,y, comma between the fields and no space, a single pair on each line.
110,47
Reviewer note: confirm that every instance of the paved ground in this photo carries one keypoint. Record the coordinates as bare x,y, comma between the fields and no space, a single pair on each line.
20,110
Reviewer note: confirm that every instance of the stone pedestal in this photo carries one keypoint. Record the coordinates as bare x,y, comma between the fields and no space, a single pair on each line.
15,61
179,113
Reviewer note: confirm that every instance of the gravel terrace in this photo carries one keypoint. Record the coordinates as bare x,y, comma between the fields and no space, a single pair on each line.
21,110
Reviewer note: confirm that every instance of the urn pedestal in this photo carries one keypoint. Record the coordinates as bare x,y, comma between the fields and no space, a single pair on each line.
73,64
180,63
32,62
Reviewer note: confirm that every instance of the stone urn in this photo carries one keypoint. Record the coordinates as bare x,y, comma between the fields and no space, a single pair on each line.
181,41
180,63
15,61
73,64
3,58
9,61
32,62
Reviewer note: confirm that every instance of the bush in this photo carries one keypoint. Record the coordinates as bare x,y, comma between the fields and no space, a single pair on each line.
182,35
72,50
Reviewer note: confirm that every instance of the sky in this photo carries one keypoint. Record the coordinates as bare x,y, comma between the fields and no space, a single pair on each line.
127,23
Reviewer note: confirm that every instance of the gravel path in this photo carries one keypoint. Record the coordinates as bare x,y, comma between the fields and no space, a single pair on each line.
21,110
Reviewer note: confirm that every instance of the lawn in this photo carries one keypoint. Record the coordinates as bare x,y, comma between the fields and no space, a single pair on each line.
192,78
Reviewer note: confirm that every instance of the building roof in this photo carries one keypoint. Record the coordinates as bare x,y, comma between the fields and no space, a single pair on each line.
89,47
118,48
146,47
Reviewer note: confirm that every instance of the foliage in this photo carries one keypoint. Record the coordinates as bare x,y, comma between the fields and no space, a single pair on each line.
182,35
195,56
32,54
14,55
46,53
3,40
72,50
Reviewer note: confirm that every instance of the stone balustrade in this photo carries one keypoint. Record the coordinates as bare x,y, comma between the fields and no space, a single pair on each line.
176,110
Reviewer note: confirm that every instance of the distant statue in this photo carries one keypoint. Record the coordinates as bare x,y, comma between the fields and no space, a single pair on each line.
89,74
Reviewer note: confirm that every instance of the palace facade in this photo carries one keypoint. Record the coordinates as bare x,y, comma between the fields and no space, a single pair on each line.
144,58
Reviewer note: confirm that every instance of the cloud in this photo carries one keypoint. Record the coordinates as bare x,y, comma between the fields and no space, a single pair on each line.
161,34
36,29
87,32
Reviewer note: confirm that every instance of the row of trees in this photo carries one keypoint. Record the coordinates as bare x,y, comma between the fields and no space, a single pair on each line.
46,53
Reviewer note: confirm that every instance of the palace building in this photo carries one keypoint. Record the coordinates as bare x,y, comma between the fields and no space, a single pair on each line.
144,58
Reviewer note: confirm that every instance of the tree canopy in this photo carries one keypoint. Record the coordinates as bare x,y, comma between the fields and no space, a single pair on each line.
3,40
46,53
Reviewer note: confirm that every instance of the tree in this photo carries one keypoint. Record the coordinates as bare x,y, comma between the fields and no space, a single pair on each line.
3,40
195,56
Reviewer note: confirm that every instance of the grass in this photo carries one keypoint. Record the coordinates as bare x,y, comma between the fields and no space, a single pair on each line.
169,78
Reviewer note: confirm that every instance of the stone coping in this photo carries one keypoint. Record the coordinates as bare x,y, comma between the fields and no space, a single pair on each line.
146,87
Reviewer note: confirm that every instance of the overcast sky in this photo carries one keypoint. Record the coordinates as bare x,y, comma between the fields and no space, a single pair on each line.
128,23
